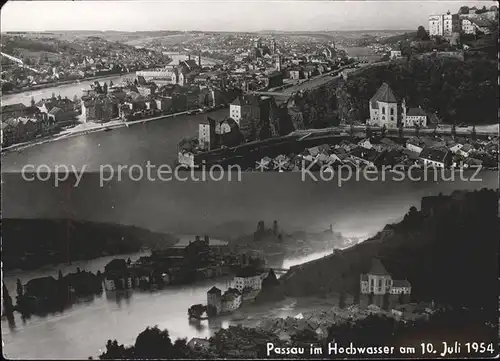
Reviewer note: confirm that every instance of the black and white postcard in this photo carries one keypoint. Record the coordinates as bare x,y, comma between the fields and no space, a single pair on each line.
249,179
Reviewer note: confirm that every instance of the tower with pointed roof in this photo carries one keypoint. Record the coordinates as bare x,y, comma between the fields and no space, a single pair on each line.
384,108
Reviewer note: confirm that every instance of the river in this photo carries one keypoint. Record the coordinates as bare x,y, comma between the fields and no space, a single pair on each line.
83,330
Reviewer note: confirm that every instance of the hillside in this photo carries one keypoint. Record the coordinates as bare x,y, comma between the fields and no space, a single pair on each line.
395,39
449,256
458,91
31,243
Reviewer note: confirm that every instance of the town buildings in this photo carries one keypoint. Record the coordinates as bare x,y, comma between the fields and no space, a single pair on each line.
231,300
213,133
443,24
99,109
436,157
20,123
182,74
254,116
448,24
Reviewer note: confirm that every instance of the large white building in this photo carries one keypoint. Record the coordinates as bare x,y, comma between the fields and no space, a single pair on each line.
443,24
167,75
379,282
435,25
384,108
415,117
247,278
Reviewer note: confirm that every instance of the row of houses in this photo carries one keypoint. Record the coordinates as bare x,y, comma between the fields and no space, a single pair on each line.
131,101
21,123
201,258
376,152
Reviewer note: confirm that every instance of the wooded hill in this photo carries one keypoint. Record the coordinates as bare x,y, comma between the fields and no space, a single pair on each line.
449,256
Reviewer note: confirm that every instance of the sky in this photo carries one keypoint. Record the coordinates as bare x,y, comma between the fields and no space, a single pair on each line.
355,208
223,15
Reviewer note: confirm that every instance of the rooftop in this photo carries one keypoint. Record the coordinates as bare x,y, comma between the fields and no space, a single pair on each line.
378,268
434,154
400,283
214,290
416,112
384,94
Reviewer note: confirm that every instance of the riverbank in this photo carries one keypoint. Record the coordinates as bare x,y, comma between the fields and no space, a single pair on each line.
63,82
87,128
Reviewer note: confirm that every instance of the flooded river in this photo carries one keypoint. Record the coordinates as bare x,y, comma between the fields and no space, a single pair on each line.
83,330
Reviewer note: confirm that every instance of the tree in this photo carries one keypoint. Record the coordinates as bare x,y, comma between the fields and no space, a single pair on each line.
406,49
153,343
422,34
97,87
463,10
482,11
7,300
115,351
196,311
413,211
19,288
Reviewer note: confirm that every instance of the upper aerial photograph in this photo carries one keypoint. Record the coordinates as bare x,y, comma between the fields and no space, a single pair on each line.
249,85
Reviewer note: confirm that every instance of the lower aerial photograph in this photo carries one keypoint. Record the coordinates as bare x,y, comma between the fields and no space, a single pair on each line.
248,179
269,267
